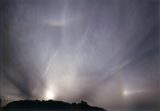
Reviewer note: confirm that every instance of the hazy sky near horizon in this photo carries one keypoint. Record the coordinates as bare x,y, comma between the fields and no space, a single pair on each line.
102,51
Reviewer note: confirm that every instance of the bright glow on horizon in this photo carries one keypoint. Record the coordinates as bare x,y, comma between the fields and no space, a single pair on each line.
49,95
81,50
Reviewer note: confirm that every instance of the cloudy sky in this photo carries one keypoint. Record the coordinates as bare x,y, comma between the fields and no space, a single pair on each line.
102,51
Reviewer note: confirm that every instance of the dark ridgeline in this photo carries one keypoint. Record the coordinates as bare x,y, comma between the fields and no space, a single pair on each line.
50,105
0,103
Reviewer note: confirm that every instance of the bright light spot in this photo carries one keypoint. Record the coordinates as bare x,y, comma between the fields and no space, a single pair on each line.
49,95
125,92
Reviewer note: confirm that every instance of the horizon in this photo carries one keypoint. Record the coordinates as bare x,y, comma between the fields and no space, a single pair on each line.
105,52
49,105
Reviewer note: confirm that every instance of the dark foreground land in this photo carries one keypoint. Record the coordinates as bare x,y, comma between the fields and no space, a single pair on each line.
50,105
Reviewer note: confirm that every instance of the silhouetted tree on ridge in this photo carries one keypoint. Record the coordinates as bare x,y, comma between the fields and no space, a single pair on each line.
50,105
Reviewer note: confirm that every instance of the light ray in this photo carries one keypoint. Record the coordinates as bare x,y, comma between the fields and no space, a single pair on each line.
46,70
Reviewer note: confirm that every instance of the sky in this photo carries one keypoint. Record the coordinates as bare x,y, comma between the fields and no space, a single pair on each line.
105,52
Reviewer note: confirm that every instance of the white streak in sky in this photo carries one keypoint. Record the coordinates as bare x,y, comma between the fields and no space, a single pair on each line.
105,46
44,75
50,62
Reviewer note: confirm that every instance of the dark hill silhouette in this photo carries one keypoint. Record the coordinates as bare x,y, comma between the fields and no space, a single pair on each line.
50,105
